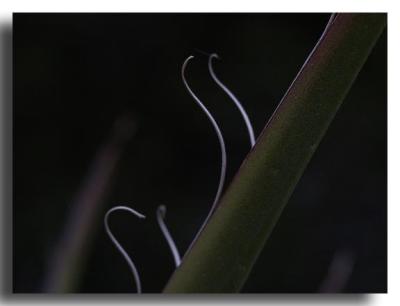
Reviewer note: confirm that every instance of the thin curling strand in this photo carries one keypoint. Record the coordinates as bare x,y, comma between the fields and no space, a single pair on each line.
233,98
221,143
118,245
161,211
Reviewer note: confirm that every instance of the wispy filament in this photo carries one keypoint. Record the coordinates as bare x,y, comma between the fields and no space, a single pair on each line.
234,99
118,245
161,211
222,146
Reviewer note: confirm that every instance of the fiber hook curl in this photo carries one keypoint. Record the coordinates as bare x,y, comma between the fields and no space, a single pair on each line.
118,245
222,146
233,98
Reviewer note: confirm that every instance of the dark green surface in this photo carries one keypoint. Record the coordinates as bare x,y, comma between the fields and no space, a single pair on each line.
223,256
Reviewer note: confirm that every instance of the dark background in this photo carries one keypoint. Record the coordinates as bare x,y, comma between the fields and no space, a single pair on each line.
75,74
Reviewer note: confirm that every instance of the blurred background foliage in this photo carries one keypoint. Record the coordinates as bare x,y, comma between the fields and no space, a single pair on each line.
76,74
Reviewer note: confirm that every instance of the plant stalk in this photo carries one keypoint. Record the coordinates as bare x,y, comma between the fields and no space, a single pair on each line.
223,255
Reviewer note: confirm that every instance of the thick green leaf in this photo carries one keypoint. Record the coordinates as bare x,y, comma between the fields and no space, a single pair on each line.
225,252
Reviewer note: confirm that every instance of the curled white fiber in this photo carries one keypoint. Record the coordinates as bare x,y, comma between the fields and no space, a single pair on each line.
233,98
118,245
222,147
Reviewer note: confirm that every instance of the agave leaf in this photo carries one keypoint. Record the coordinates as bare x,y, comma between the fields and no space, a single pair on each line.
225,252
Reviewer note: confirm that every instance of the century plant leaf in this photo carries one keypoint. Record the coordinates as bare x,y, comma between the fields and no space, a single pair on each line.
223,255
